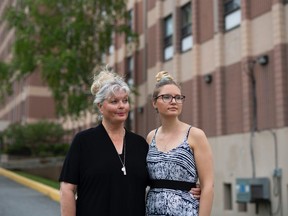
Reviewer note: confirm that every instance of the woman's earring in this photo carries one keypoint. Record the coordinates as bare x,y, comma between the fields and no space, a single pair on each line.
156,110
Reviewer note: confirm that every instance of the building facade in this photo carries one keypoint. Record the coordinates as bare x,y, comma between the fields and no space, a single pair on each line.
31,100
231,59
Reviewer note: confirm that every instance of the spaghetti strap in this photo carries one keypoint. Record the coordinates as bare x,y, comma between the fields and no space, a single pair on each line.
187,135
153,139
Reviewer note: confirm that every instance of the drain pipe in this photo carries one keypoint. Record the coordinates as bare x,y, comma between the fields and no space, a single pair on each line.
254,112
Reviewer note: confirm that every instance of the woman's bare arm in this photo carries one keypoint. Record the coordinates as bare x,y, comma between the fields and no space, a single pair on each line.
67,199
204,160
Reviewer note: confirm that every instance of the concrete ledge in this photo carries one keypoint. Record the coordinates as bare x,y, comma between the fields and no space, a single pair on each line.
44,189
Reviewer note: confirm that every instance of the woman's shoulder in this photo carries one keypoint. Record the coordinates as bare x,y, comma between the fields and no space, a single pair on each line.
196,132
137,141
84,136
150,135
197,137
135,136
89,133
152,132
86,132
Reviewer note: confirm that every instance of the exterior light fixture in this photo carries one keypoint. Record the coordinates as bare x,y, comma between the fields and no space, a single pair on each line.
263,60
208,78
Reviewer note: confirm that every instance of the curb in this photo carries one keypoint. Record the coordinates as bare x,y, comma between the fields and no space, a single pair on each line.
44,189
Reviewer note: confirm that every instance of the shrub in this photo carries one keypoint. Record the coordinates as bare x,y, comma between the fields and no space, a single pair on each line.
38,139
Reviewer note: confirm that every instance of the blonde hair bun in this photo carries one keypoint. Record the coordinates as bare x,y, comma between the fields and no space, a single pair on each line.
163,75
104,77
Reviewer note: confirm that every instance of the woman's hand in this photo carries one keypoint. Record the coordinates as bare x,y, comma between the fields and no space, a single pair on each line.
196,191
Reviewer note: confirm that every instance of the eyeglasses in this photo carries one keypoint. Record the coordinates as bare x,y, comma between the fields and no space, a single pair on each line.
167,98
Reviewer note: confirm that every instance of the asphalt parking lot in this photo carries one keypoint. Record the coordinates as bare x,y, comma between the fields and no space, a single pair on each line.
17,199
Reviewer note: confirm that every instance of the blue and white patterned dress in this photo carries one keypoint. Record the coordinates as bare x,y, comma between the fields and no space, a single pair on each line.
179,165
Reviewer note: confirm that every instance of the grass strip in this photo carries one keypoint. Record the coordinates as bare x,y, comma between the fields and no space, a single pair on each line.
45,181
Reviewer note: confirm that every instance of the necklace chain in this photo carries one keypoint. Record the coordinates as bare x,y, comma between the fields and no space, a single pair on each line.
123,169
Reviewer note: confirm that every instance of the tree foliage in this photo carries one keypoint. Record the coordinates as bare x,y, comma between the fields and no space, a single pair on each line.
64,40
5,86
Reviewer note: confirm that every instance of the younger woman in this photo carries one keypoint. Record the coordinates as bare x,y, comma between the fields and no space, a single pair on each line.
178,154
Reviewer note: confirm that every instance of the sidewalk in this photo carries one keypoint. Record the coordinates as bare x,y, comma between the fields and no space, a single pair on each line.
44,189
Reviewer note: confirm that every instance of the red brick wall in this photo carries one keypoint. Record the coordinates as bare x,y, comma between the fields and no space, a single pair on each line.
259,7
233,99
206,21
152,47
40,107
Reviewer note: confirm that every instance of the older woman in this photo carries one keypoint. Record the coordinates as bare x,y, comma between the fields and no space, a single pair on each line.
106,165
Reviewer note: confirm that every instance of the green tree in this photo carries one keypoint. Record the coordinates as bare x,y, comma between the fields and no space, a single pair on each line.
5,86
64,40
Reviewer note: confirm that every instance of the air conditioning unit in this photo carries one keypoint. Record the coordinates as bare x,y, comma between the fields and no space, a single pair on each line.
252,190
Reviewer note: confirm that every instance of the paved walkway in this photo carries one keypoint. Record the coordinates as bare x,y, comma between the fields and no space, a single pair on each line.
17,200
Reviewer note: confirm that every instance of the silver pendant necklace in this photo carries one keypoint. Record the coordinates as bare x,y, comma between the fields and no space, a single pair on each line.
123,169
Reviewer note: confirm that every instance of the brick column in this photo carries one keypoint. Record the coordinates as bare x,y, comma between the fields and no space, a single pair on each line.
219,78
159,35
196,66
246,54
219,75
280,68
196,101
177,42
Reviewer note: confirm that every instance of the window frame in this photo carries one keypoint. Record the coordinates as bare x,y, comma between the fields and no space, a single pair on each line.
228,12
186,27
130,70
130,23
168,37
233,5
111,47
130,67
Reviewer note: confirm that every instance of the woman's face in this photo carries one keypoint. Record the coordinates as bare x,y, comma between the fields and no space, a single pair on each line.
167,107
115,108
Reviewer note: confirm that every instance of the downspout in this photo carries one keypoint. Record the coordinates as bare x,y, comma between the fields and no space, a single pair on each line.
254,113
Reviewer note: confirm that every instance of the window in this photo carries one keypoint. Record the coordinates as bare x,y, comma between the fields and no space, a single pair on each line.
130,69
228,196
130,24
168,38
186,28
232,14
130,81
111,47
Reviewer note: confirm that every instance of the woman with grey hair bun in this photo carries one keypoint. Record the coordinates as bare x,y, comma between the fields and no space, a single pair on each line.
106,165
106,84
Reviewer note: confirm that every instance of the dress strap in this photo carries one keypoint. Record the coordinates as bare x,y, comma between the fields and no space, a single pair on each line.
153,139
187,135
155,133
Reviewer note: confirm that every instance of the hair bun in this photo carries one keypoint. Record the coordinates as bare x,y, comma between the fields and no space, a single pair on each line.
101,79
163,75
